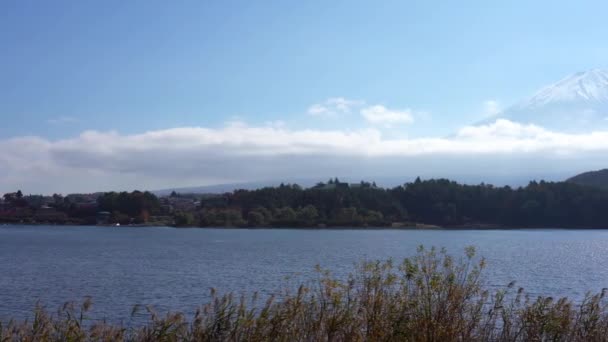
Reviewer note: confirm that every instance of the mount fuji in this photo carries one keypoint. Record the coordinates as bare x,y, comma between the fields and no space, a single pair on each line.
575,104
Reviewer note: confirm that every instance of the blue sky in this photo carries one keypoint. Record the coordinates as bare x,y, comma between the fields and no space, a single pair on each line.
138,66
134,66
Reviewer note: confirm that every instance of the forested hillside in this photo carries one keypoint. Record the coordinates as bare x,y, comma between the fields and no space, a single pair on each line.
593,178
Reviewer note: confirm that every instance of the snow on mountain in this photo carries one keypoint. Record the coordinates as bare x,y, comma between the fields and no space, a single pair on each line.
582,86
577,103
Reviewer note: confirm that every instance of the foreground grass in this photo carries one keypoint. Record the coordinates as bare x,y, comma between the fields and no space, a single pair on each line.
430,297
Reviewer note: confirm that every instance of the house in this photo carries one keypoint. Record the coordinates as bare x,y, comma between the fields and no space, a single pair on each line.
183,203
6,209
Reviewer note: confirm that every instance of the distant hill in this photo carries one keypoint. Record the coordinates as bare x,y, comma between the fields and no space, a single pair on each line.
212,189
593,178
514,180
223,188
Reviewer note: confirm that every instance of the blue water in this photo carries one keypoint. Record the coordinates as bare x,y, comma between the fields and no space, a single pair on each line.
173,269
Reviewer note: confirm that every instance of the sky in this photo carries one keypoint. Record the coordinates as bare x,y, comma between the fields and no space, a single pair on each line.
109,95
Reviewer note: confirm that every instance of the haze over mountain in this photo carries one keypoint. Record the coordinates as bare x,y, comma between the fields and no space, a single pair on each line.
497,179
575,104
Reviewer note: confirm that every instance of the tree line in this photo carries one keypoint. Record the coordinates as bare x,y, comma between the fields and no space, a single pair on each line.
437,201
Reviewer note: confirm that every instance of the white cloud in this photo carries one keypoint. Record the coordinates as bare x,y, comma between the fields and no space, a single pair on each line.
501,129
333,107
379,114
276,124
240,152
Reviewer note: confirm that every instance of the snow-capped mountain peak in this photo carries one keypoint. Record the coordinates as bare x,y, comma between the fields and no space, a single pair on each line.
577,103
585,86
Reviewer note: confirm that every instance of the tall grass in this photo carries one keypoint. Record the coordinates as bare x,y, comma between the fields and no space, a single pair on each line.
429,297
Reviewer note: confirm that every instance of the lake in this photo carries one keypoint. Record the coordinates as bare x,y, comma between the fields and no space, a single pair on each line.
174,268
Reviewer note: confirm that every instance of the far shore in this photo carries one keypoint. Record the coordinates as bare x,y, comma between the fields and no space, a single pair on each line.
392,227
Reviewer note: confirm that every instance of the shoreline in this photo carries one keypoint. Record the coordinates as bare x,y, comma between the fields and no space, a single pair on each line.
408,227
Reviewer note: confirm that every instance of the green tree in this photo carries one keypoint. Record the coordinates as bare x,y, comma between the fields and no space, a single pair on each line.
374,217
285,214
183,219
255,219
307,215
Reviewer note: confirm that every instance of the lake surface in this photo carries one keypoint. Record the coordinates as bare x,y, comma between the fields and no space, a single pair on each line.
174,268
